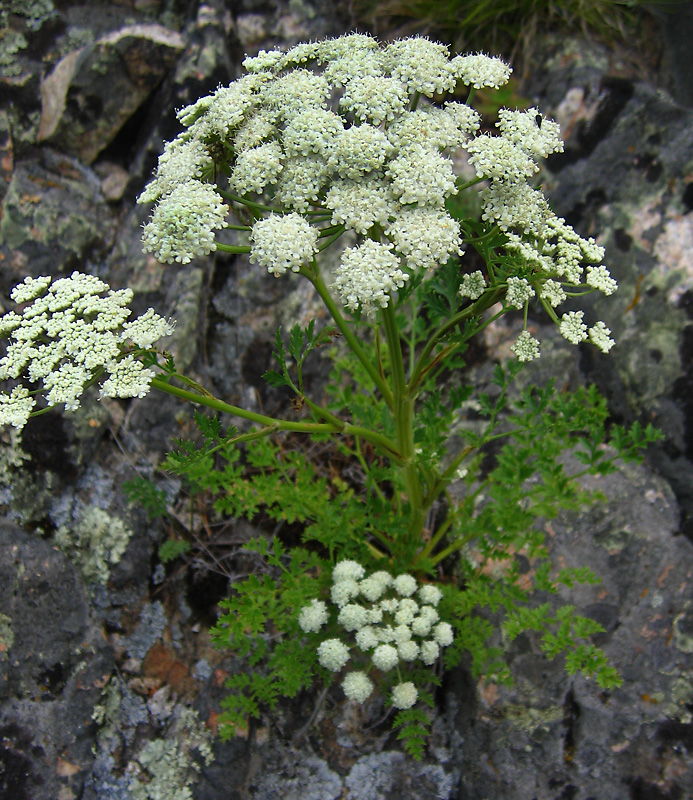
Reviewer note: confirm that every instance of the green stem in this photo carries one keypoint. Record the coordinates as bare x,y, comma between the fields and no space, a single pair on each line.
339,230
233,248
458,544
234,198
315,278
219,405
403,413
358,453
469,184
433,542
386,445
331,230
441,484
489,298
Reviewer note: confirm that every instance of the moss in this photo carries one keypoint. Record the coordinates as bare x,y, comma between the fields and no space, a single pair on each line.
94,543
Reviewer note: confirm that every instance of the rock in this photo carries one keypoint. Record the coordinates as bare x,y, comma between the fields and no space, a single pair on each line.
554,736
625,177
6,154
93,91
53,218
52,671
676,20
114,180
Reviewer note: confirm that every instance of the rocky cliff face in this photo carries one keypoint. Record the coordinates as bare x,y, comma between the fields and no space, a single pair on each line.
96,676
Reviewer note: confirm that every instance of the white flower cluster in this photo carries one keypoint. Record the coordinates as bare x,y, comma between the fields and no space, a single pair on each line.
546,242
393,621
350,130
328,126
69,331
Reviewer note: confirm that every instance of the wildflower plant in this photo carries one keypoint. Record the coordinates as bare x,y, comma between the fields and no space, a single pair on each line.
349,141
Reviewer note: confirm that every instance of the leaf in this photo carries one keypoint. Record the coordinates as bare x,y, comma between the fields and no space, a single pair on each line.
172,549
297,337
414,729
143,492
209,427
273,378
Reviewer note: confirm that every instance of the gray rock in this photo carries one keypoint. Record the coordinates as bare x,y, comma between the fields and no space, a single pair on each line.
92,92
387,775
554,736
52,673
54,217
309,779
625,177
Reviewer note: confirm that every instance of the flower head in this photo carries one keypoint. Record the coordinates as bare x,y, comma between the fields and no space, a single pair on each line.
333,654
600,336
282,243
405,585
367,275
519,292
385,657
353,617
347,570
313,617
573,328
526,348
357,686
183,222
473,285
71,330
480,70
404,695
430,594
421,65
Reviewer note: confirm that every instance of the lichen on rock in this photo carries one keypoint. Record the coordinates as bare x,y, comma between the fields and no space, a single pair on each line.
94,543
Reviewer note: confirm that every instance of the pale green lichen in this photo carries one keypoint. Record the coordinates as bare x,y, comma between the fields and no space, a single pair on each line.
94,543
106,714
6,635
35,12
530,719
11,456
11,43
683,634
681,698
166,767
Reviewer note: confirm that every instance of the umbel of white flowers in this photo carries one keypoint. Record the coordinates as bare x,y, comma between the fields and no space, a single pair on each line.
336,133
70,333
346,132
392,621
